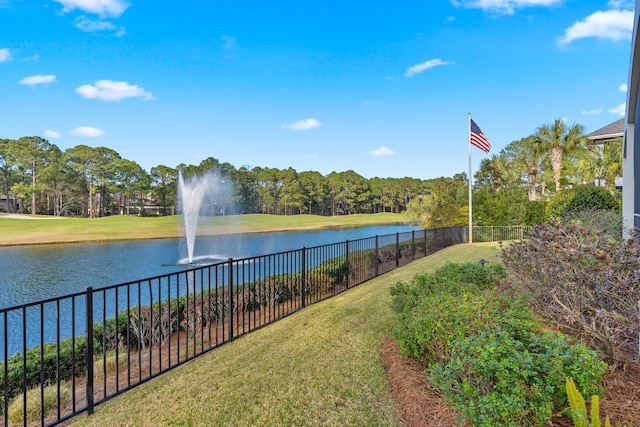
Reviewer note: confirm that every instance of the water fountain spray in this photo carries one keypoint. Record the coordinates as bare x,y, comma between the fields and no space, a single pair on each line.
194,193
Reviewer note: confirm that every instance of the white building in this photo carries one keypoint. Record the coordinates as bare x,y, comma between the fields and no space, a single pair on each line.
631,149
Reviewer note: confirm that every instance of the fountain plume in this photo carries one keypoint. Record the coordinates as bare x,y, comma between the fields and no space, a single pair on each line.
198,195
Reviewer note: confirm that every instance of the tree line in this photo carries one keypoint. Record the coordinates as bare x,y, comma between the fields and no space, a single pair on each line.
39,178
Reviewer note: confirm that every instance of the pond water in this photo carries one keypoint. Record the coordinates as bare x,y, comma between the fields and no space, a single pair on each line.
34,273
31,274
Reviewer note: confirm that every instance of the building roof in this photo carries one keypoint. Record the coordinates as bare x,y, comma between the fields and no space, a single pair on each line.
608,133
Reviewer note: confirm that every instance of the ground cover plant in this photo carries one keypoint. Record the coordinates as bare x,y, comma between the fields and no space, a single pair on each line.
484,348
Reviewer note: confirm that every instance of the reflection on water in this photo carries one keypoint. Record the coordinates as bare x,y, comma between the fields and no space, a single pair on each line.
33,273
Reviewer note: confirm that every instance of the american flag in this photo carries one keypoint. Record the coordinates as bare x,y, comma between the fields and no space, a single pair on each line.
478,139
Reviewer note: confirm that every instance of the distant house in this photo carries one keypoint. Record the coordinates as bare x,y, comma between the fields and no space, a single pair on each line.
610,133
631,147
6,202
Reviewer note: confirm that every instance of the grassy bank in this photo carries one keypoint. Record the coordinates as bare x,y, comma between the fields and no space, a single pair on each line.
320,366
29,230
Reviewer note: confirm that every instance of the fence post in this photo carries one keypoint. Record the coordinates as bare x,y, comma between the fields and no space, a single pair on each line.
230,294
304,277
346,264
397,250
413,245
424,242
89,342
377,257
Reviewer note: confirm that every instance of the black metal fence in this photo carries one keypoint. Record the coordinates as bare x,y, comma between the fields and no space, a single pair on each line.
63,356
498,233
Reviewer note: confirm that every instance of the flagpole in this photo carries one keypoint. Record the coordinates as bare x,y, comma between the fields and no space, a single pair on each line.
470,239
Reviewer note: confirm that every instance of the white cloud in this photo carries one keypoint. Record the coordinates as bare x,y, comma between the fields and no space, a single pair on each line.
51,134
33,58
38,80
621,4
382,151
108,90
609,24
5,55
87,131
592,112
103,8
228,42
623,88
419,68
306,124
507,7
619,110
89,26
369,102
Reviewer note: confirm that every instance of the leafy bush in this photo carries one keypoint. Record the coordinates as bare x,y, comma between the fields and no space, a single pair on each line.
49,366
534,213
589,197
484,348
583,281
514,377
434,309
106,336
557,205
579,198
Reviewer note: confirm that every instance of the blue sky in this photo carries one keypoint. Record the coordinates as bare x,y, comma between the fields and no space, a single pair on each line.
379,87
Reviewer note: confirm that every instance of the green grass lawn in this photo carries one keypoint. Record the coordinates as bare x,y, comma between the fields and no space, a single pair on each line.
319,366
46,229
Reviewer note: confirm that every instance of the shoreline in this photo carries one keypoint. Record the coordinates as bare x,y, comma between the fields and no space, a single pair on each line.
27,230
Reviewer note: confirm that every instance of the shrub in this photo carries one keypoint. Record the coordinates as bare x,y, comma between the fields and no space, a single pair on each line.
534,213
584,282
338,273
35,406
106,336
579,198
589,197
484,348
557,205
514,377
49,366
435,309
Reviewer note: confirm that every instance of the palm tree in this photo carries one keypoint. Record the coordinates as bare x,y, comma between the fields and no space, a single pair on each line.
612,162
599,162
558,140
589,164
525,156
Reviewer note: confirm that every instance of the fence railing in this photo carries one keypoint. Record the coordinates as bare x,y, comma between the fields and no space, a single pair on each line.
63,356
497,233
